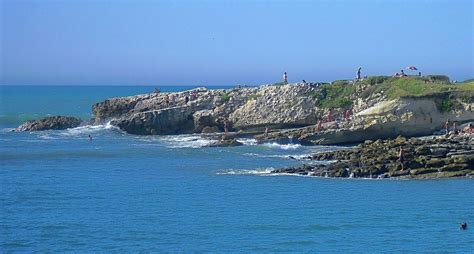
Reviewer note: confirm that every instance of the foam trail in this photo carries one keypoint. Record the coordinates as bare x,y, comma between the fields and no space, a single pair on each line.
247,141
87,129
186,141
258,171
284,147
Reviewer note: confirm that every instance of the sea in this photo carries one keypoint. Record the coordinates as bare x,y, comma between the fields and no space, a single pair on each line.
122,193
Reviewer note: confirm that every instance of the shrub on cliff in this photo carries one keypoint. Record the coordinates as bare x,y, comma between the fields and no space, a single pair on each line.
335,95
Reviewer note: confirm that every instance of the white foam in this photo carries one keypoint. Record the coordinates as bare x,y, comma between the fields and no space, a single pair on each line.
247,141
284,147
87,129
186,141
284,156
258,171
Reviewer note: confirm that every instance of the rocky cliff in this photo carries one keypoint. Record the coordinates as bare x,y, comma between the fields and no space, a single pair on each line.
408,116
202,110
383,107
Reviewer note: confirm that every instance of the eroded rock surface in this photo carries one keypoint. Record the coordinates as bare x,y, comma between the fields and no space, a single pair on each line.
50,123
431,157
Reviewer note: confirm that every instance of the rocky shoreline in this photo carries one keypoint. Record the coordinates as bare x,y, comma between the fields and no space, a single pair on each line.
311,114
429,157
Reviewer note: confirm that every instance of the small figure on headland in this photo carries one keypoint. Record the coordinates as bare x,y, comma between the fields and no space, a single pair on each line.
285,78
463,226
266,131
419,73
90,138
186,100
401,157
358,73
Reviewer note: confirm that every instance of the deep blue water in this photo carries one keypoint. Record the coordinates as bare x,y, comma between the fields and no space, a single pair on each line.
125,193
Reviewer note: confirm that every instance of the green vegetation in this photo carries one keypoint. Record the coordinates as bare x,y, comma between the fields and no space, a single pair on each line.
395,87
446,105
341,93
335,95
225,97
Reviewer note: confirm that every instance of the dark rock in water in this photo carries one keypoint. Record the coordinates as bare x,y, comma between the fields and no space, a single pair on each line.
225,143
436,157
208,129
50,123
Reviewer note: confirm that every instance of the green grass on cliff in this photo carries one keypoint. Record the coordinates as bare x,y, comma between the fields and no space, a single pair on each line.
335,95
415,86
342,93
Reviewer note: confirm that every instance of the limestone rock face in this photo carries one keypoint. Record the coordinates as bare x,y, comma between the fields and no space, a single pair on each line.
411,116
200,109
276,107
50,123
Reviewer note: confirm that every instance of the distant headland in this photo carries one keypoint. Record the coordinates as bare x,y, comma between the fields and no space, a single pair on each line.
341,112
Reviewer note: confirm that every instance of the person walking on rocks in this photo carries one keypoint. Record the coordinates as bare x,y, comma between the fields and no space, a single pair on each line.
266,131
320,125
186,100
329,116
446,126
401,157
455,127
358,73
285,78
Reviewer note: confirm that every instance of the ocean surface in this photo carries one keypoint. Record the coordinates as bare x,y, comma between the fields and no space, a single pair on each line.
126,193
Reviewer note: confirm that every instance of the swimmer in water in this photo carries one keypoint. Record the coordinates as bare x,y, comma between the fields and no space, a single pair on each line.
90,138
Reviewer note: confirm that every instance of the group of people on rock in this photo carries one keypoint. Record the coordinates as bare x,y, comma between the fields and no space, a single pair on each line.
455,129
347,114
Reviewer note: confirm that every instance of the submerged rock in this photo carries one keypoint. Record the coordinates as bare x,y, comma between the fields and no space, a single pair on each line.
50,123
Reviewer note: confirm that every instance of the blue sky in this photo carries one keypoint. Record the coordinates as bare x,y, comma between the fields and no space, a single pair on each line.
229,42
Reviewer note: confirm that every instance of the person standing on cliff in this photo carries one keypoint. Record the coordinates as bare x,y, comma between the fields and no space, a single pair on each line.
401,157
358,73
285,78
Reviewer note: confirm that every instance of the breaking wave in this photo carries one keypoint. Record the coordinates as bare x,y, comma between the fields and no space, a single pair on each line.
186,141
247,141
284,147
88,129
258,171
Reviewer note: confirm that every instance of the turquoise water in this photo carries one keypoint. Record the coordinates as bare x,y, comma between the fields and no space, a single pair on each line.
125,193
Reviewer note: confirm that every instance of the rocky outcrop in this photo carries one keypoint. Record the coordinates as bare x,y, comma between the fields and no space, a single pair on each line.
432,157
50,123
407,116
201,110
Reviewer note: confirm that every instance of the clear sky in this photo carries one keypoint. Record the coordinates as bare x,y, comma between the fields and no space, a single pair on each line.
85,42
